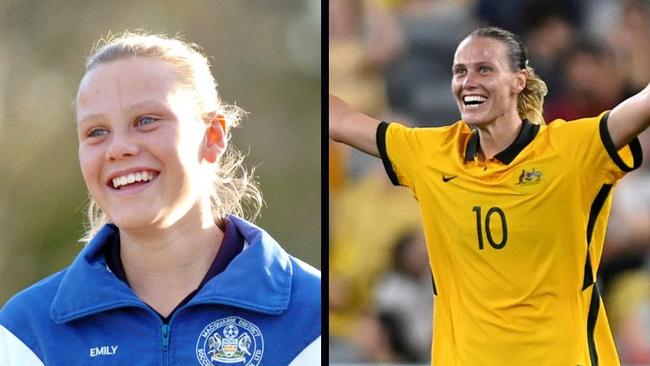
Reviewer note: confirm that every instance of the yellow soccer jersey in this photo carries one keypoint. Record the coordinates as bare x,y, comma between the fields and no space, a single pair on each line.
515,241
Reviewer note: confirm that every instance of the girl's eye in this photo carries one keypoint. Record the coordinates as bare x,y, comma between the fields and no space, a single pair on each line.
145,121
459,71
97,132
483,70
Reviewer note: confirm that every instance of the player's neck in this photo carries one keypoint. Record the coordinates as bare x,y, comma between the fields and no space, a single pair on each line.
165,266
498,135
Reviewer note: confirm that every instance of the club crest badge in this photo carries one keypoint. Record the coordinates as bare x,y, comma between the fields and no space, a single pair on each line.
230,340
529,177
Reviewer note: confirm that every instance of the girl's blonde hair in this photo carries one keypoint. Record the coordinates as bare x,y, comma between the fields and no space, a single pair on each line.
234,189
530,102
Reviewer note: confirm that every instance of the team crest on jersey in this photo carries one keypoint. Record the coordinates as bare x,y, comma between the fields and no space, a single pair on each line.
230,340
529,177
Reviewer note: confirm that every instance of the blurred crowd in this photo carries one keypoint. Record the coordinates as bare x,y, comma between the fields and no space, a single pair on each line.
392,59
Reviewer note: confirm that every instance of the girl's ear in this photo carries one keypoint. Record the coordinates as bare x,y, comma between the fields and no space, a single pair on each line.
215,138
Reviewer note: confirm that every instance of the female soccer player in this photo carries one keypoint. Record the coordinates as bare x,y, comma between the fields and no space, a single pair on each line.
514,210
172,275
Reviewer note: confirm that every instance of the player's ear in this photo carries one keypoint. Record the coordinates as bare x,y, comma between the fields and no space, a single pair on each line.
519,81
215,139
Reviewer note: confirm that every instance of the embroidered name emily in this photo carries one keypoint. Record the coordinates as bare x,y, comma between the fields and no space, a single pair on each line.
103,351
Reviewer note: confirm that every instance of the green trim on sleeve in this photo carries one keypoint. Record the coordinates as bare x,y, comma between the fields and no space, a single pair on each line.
635,147
381,146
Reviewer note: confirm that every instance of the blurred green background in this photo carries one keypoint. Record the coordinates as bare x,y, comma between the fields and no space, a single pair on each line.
266,58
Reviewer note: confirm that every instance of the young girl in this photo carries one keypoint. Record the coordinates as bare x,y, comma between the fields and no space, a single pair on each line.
514,210
171,274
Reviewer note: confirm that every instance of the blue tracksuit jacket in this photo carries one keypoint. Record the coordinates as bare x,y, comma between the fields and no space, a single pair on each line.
263,309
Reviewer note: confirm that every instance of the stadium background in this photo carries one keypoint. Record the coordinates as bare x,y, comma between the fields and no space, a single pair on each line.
392,60
266,57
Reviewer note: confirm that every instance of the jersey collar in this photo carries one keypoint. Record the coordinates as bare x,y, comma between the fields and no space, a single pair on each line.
526,135
258,279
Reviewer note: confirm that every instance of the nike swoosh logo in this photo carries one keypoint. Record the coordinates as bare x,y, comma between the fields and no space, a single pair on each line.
447,178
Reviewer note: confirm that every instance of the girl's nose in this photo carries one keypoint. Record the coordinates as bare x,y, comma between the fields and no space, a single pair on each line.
121,147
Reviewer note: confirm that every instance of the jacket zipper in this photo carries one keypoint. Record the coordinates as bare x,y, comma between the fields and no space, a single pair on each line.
165,344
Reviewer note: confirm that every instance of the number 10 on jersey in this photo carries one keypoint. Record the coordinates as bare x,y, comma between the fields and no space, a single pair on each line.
488,233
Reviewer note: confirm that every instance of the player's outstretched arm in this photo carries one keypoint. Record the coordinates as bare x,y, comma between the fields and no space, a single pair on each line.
352,127
628,119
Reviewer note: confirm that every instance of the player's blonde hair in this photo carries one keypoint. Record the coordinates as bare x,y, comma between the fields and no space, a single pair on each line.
234,189
530,102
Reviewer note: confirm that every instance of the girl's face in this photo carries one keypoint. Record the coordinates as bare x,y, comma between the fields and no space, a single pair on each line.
146,155
483,84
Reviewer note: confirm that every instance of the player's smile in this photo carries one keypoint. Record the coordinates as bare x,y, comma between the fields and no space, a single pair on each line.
474,105
473,101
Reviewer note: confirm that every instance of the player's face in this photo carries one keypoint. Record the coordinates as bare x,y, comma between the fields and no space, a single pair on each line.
483,84
141,144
